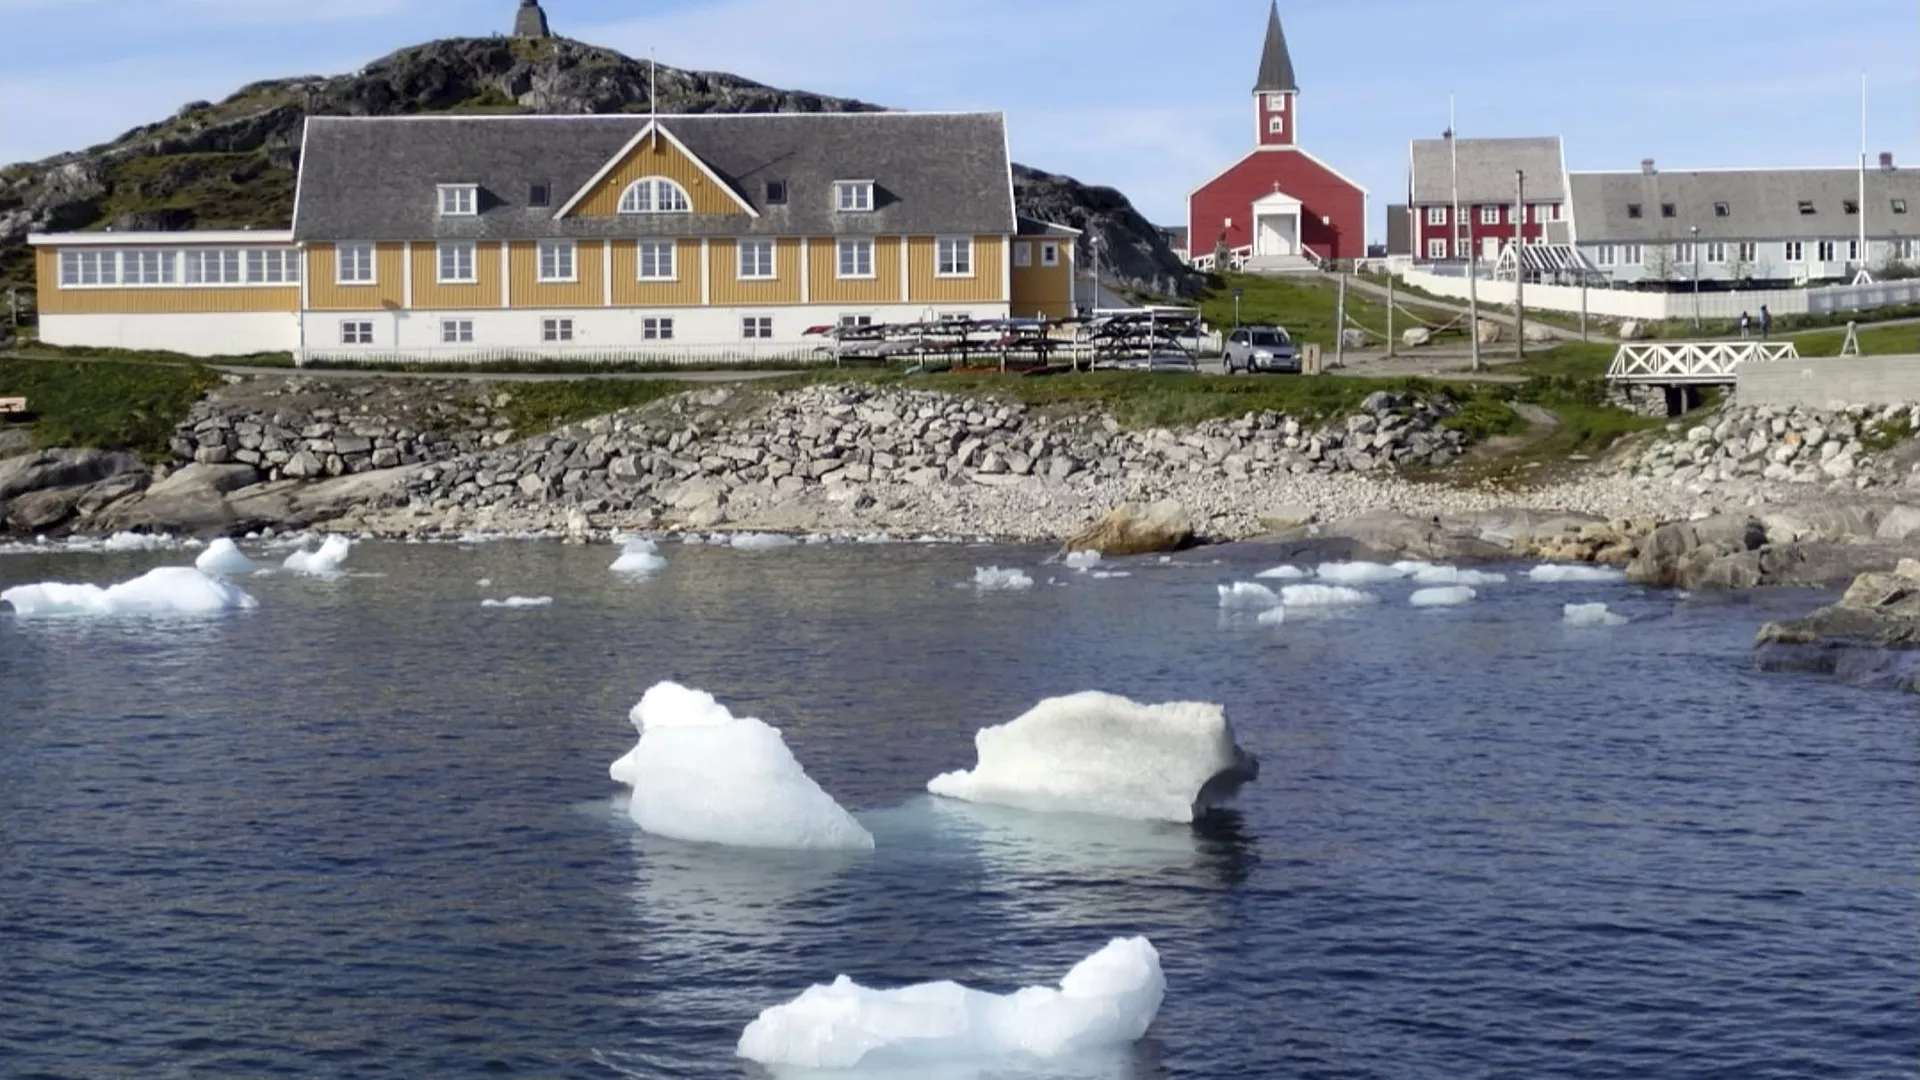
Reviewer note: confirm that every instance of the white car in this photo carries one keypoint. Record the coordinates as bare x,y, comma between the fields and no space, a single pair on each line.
1260,348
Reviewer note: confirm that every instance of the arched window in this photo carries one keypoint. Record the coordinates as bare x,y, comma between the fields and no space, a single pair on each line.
654,195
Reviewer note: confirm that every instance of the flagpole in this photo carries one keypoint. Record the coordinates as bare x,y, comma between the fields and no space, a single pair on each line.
1473,274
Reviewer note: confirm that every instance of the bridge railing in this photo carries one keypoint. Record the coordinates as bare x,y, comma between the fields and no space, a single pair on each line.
1679,363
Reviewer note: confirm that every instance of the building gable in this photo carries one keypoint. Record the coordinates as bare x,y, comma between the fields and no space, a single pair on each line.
654,151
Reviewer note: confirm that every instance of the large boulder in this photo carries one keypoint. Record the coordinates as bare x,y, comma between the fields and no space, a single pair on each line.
191,501
291,504
1871,637
1134,529
39,511
62,468
1678,555
1389,533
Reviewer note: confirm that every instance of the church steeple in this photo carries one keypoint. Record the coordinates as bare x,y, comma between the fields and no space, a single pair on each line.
530,21
1274,89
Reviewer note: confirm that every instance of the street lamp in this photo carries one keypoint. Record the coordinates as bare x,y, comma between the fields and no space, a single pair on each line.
1236,309
1473,269
1093,249
1694,231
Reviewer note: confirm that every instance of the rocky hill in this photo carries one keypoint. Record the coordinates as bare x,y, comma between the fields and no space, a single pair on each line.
232,164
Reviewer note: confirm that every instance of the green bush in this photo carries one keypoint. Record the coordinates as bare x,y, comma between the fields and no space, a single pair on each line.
1483,418
111,404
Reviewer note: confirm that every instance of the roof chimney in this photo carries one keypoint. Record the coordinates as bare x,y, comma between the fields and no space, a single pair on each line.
1886,160
1646,166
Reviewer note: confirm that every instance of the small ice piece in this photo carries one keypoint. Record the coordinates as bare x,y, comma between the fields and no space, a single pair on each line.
1590,615
1555,573
166,590
333,551
223,558
1324,596
1441,596
1106,1002
485,583
1453,575
1102,575
1096,753
1412,567
989,578
1247,596
699,773
1082,560
1273,616
518,602
1358,573
761,541
133,541
638,556
1283,573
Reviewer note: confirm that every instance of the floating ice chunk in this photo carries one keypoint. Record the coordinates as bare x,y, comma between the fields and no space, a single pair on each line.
1273,616
638,556
1096,753
1324,596
1411,567
133,541
1554,573
1358,573
1247,596
1283,573
1441,596
1591,615
988,578
1102,575
1453,575
1107,1001
166,590
1082,560
223,558
333,551
519,602
761,541
699,773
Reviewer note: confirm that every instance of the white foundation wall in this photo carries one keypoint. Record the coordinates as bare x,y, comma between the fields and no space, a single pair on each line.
1633,304
700,335
222,333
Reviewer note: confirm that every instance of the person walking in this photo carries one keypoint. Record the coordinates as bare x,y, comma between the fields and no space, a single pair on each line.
1746,325
1766,323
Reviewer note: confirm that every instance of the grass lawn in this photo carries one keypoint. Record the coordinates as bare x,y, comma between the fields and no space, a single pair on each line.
1306,306
1874,340
536,407
113,404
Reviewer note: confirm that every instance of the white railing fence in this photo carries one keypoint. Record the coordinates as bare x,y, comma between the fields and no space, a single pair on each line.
1677,363
1449,281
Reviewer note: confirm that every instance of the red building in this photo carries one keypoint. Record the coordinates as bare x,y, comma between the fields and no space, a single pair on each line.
1279,204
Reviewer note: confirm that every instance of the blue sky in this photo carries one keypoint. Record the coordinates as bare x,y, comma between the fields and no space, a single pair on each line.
1149,96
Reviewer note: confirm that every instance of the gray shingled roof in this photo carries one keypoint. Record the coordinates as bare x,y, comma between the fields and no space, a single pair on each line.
373,178
1762,204
1486,170
1276,64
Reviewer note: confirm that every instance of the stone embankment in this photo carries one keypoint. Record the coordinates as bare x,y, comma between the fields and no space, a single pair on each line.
1870,638
1787,446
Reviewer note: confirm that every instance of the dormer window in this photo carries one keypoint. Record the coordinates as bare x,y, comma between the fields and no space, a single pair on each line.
539,195
1721,209
1806,206
1849,206
1633,209
459,200
655,195
1666,209
852,196
776,192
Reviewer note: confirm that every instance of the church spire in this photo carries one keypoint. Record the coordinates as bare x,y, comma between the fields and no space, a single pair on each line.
1276,65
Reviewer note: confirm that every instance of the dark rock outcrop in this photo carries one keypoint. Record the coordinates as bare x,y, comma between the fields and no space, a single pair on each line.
1870,638
232,164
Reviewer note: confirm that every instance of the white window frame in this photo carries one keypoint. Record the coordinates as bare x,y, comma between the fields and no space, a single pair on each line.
1853,250
953,257
1436,215
456,331
853,196
757,260
1903,249
1049,253
1276,124
1603,255
1747,251
656,328
861,250
146,267
213,266
1683,253
1796,251
449,254
756,327
459,200
1436,247
1022,254
1823,251
1630,255
273,266
1490,214
1716,252
664,255
853,321
356,332
556,261
556,331
655,195
355,264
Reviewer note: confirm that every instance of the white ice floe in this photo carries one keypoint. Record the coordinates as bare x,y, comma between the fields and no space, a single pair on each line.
1106,1002
1247,596
1082,560
1554,573
1324,596
638,555
1273,616
333,551
1591,615
990,578
223,558
1103,575
1358,573
167,590
1283,573
700,773
1441,596
518,602
1412,567
1453,575
1096,753
133,541
761,541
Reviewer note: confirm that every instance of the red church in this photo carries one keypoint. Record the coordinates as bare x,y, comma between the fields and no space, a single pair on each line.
1279,207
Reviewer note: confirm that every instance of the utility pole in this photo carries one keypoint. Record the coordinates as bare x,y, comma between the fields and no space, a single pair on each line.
1473,269
1862,276
1519,264
1340,326
1389,316
1694,232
